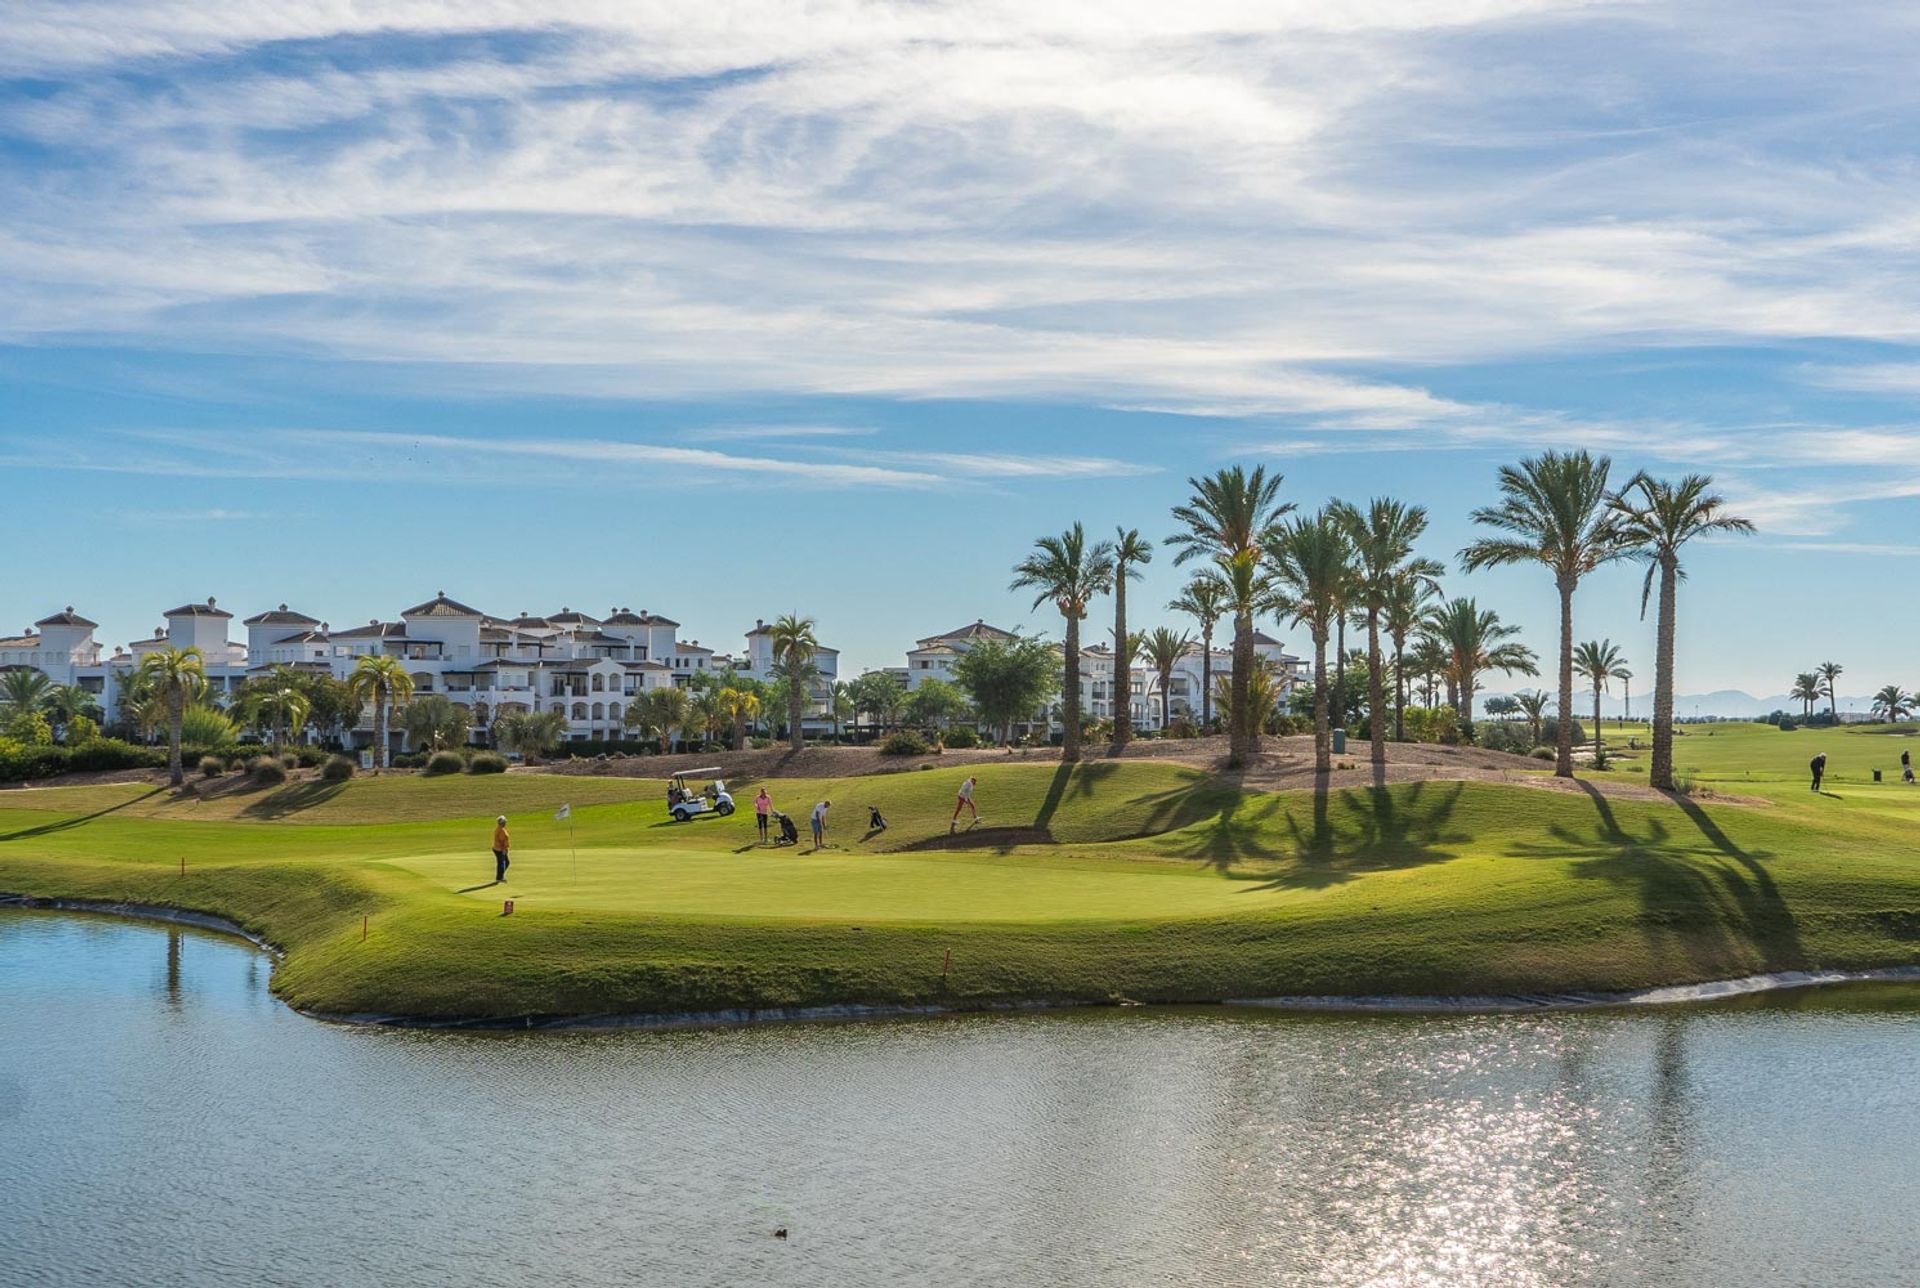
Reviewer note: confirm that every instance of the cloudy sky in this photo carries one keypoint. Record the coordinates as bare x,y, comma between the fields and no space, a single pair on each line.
731,309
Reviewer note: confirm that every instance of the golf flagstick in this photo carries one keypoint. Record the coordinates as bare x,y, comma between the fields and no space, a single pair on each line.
566,812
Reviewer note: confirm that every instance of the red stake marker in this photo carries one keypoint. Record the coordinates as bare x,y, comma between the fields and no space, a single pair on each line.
946,965
363,927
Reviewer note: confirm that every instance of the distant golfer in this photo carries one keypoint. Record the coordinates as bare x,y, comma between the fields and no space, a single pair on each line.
762,807
820,824
1819,767
500,846
964,803
1906,767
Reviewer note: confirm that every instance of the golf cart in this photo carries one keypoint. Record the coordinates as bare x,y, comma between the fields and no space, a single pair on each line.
683,801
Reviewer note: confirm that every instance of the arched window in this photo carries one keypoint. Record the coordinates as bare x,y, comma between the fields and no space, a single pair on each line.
599,682
560,707
579,711
599,709
613,712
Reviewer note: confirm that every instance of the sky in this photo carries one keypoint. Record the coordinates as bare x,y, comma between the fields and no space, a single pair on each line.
736,309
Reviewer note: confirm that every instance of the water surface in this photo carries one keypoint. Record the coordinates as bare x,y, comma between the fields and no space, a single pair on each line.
164,1121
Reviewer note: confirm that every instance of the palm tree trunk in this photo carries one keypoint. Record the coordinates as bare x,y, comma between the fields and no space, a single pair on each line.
1596,726
1166,684
1322,735
1122,664
1340,667
1070,698
176,715
796,739
1376,692
1563,754
1206,679
1237,717
1399,691
1661,775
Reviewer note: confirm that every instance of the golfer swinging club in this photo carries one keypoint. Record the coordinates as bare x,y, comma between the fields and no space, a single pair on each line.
964,803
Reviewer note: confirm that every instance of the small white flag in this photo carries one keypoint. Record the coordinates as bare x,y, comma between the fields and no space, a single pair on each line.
562,814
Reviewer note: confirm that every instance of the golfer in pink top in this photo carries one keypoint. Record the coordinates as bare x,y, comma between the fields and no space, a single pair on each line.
762,806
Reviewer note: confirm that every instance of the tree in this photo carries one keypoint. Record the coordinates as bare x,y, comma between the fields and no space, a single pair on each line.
1067,572
1382,538
384,682
23,690
1204,600
1625,677
532,734
1554,510
840,704
1427,660
1414,588
435,722
1164,648
1893,704
66,703
738,706
1599,661
1475,641
880,694
1230,516
934,704
1828,673
1264,690
1806,687
1654,519
1312,564
794,647
1533,702
1500,706
1130,550
658,711
175,676
1008,680
282,709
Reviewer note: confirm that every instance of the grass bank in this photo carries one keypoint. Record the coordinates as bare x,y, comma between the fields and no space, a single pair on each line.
1113,880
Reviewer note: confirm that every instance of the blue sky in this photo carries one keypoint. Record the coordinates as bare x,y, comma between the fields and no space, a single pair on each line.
738,309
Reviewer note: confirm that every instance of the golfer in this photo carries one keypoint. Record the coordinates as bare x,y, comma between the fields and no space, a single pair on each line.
964,803
762,806
820,824
500,846
1819,767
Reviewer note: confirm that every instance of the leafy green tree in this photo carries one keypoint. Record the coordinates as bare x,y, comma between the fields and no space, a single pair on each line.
1130,552
880,696
1008,681
1501,706
532,734
383,682
1067,572
1554,510
177,676
794,649
1204,600
1227,520
934,704
1655,519
27,725
66,703
435,722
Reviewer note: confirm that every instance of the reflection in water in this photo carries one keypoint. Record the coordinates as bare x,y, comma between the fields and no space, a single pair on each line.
1102,1148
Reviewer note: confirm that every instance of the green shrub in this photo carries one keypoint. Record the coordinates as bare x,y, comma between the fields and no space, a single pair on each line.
1544,753
1503,736
444,762
104,754
267,771
207,727
29,727
904,742
291,760
1182,727
408,760
962,737
761,744
80,729
338,769
487,762
212,766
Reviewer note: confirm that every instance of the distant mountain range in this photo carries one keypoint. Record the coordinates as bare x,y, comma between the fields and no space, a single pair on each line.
1735,704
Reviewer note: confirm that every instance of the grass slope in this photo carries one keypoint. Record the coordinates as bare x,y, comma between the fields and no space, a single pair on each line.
1132,879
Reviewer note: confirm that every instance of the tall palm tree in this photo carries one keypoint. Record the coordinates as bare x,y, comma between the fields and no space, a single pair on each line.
1626,691
436,722
1806,687
1067,572
1893,704
1475,641
1312,563
794,648
842,702
1428,660
1598,661
1382,538
530,733
1164,648
175,676
282,708
1553,511
384,682
1204,600
1828,673
1130,550
1533,705
661,711
1654,519
1230,514
23,690
1413,589
739,707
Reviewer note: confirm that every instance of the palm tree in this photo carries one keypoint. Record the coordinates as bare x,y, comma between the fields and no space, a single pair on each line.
1553,511
1428,660
1231,514
1130,550
1312,562
1475,640
1653,519
1533,704
282,708
1264,689
1625,677
176,676
65,703
739,707
436,722
1828,673
841,703
1204,600
1893,704
1806,687
1067,572
659,711
1382,538
794,647
1413,588
530,733
1164,648
384,682
24,690
1599,661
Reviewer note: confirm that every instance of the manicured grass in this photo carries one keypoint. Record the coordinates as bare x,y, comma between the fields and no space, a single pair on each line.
1117,879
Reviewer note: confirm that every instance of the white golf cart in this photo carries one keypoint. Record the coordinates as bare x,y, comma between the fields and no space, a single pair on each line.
684,801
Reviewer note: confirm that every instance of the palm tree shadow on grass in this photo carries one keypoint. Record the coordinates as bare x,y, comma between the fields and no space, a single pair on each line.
66,824
1705,902
293,799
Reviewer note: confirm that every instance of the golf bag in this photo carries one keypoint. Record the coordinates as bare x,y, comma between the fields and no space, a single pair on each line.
875,819
789,834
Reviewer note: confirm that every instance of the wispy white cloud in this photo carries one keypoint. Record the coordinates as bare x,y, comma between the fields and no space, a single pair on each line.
759,433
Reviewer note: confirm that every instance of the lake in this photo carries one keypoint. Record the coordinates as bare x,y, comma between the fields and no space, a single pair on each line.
164,1120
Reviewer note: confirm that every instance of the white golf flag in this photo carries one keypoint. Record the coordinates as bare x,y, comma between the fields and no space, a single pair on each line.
562,814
